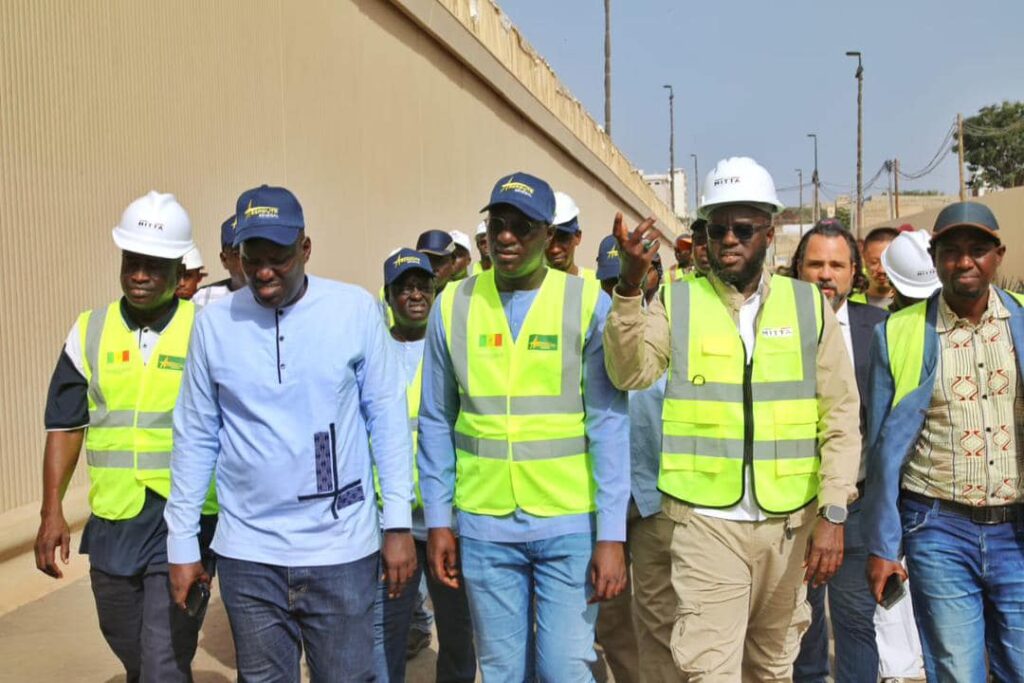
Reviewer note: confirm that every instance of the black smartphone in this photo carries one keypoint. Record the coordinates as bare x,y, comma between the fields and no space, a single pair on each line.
893,591
196,600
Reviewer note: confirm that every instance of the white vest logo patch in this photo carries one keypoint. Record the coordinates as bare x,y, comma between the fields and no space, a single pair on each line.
777,332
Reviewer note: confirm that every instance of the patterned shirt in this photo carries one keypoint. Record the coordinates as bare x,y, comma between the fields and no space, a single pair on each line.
967,450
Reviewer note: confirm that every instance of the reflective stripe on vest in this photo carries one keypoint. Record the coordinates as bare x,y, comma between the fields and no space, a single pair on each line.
721,413
129,441
520,437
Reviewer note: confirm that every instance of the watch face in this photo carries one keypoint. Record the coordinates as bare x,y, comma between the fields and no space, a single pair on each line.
834,514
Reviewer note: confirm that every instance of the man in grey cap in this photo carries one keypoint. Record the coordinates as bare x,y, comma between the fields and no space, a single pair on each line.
944,458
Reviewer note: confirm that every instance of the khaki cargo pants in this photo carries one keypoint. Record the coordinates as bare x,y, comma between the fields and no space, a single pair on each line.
742,605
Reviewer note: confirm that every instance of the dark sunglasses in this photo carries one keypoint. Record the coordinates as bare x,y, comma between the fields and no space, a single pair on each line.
519,227
744,232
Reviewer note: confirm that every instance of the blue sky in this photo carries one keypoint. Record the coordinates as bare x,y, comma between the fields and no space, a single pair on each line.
754,77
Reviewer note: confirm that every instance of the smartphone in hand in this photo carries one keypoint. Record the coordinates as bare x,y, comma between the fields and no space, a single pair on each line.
893,591
197,599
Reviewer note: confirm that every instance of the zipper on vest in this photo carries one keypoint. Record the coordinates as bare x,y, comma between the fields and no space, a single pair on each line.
748,425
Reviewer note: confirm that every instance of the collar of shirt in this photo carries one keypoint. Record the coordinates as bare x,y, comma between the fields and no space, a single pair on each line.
843,315
157,326
948,319
732,297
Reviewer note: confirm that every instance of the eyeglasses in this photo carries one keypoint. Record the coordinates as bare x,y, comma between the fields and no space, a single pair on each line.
744,232
521,228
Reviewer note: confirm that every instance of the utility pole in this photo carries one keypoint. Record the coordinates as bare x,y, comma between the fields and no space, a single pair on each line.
896,183
888,188
800,176
960,153
816,214
671,148
696,182
860,138
608,67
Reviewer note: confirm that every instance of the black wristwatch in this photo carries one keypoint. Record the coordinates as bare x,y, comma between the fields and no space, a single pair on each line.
833,513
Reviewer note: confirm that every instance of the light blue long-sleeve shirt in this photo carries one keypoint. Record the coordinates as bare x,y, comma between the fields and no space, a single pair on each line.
281,404
645,446
607,429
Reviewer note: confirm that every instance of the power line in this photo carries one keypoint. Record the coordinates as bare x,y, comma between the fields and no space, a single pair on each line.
940,154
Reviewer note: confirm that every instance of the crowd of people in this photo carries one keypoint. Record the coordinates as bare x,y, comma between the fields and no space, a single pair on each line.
681,464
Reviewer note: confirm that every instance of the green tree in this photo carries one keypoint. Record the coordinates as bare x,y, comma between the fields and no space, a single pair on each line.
994,145
843,215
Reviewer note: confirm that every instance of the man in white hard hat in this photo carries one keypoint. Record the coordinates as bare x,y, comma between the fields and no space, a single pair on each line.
561,250
114,389
910,269
481,246
463,254
193,275
760,446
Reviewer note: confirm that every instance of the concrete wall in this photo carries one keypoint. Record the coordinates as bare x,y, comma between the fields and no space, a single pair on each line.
385,118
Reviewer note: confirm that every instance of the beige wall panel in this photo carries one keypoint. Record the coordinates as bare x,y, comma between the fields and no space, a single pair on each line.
380,130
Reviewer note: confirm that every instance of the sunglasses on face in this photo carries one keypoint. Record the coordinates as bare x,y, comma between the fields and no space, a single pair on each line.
520,227
743,232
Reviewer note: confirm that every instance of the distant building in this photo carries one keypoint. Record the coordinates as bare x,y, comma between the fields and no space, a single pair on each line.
659,182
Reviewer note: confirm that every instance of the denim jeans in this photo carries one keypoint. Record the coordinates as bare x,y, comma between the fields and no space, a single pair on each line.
967,583
456,658
277,611
853,618
529,607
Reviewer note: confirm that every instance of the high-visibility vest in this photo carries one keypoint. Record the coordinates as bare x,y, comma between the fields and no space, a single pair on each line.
721,414
129,441
389,315
412,397
588,273
520,440
858,298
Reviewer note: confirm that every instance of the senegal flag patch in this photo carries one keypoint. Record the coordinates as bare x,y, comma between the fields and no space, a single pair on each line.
165,362
542,342
116,357
490,341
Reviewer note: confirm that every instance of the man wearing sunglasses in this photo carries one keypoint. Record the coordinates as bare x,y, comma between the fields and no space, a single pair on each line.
521,429
760,447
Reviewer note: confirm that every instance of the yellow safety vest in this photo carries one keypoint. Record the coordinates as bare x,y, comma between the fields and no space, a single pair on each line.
129,441
721,413
389,315
588,273
520,440
412,397
858,298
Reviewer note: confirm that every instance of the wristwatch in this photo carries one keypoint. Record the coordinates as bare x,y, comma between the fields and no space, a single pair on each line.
833,513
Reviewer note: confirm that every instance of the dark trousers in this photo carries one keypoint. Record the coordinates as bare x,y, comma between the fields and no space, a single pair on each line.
152,637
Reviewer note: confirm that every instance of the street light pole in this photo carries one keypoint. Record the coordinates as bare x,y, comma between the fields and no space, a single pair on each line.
608,67
671,149
696,182
860,139
814,179
800,175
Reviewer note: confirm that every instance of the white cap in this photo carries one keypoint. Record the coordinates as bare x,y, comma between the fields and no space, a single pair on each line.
462,239
909,266
481,229
193,259
155,225
739,180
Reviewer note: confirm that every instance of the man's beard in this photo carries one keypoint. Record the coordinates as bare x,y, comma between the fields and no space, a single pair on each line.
751,270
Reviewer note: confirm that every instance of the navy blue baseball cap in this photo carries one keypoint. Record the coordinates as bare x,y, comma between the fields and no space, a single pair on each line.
525,192
271,213
227,231
404,260
572,226
436,242
608,265
966,215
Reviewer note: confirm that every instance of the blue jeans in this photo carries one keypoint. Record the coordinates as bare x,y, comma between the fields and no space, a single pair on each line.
967,582
456,658
529,608
277,611
853,618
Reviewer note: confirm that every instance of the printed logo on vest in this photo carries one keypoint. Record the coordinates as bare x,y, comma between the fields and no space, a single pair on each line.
777,332
490,340
542,342
165,362
119,357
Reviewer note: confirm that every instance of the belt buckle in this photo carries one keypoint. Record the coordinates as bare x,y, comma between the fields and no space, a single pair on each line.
988,515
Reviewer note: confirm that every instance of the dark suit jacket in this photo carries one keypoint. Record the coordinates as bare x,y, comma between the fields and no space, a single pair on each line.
863,318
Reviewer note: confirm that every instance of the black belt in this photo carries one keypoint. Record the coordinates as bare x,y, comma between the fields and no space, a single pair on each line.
991,514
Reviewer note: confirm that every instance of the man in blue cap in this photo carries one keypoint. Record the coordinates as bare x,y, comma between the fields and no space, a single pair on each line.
232,263
522,431
440,249
944,457
285,385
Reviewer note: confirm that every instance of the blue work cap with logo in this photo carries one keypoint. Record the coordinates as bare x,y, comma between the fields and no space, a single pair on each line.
608,258
525,192
270,213
227,232
436,242
404,260
973,215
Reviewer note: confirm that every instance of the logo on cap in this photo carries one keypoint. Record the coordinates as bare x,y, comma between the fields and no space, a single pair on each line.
612,253
727,181
143,223
260,211
513,185
406,259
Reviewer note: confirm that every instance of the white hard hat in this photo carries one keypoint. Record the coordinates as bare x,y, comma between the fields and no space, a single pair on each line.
481,229
155,225
739,180
462,239
192,259
565,209
909,266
